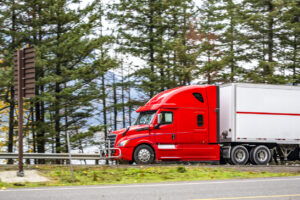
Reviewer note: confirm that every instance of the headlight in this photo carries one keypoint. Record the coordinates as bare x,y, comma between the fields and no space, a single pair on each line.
123,143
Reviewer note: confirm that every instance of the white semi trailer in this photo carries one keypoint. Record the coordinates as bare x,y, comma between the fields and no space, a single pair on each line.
259,121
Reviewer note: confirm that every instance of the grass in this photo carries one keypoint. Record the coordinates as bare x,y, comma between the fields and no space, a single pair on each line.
91,175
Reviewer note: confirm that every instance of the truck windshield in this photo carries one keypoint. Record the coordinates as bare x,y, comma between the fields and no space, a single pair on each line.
145,117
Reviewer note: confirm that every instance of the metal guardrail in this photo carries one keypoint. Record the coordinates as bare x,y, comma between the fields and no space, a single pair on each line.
103,155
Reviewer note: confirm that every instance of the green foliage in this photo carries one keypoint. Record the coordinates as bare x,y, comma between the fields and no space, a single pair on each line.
155,31
67,64
89,175
181,169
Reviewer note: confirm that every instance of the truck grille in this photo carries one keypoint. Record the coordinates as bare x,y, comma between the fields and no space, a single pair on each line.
112,139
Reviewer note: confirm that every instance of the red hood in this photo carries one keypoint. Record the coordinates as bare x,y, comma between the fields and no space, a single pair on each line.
131,133
120,131
131,129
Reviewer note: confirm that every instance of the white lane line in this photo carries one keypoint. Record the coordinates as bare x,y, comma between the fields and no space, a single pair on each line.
151,185
253,197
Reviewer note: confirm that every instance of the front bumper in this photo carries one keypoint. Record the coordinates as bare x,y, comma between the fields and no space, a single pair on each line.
108,151
127,153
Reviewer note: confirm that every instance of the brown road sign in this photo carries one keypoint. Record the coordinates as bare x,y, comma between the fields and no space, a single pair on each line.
27,67
24,79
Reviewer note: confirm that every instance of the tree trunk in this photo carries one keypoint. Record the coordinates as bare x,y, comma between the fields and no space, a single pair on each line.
40,115
57,115
270,32
12,92
115,103
66,125
57,102
104,105
11,124
129,100
151,48
232,68
295,81
123,99
33,130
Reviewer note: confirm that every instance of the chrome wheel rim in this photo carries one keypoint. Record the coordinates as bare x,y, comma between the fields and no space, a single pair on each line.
262,155
240,155
144,155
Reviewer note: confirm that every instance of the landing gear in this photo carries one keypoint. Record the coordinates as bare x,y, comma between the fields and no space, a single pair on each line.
286,152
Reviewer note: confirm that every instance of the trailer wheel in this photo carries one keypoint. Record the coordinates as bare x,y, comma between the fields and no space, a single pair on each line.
239,155
261,155
143,155
251,156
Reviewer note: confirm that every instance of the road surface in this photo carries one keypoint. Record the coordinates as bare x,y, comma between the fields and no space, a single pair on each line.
262,188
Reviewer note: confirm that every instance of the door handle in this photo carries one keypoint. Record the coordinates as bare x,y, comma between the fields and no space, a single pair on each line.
173,136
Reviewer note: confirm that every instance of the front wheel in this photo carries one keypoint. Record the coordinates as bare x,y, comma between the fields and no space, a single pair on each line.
143,155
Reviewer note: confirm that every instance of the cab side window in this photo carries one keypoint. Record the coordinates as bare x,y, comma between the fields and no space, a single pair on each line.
198,96
167,117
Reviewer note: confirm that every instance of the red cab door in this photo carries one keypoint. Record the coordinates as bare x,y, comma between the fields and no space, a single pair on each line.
165,136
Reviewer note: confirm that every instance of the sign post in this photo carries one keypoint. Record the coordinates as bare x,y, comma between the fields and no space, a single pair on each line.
24,82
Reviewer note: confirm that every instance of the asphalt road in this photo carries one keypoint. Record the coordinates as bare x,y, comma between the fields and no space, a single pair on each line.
263,188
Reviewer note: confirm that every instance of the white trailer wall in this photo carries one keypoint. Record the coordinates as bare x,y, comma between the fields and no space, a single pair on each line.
260,113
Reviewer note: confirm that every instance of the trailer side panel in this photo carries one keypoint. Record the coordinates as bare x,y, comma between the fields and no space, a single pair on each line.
264,113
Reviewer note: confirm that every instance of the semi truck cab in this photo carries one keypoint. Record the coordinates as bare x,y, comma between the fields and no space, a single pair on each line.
178,124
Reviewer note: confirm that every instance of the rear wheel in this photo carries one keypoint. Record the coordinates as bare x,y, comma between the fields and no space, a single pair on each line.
251,156
239,155
261,155
144,155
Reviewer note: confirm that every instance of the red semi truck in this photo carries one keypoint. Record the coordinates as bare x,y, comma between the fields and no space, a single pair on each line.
235,123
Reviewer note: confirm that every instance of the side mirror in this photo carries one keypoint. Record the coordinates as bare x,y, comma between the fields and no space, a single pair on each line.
159,120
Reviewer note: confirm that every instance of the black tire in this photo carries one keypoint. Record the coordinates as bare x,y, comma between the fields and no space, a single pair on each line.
251,156
125,162
144,155
131,162
261,155
239,155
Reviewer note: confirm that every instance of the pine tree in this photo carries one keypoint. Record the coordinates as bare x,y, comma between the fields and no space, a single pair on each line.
71,51
182,42
10,38
155,32
64,66
136,22
211,64
290,41
261,20
34,18
232,39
